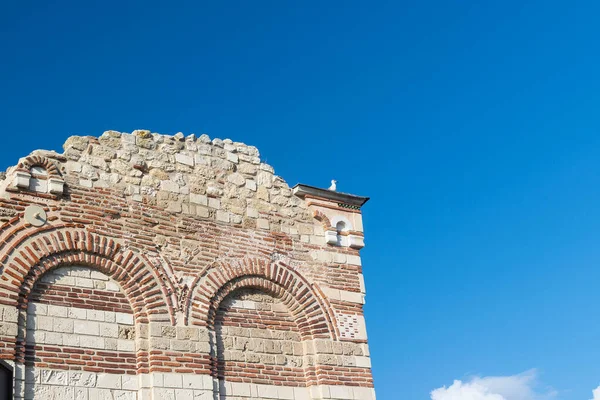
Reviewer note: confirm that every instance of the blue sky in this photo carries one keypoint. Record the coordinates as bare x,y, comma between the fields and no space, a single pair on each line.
473,127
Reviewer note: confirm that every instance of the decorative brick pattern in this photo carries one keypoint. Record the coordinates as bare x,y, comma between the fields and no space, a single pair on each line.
348,325
351,326
173,267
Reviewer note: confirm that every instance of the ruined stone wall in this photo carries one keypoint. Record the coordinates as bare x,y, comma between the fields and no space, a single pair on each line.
146,266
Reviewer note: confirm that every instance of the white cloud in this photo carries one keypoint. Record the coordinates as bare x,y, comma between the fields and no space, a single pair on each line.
596,393
516,387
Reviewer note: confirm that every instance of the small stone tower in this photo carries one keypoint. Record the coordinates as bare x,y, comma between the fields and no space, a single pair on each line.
144,266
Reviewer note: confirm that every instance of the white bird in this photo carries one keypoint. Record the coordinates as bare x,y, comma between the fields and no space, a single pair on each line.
333,185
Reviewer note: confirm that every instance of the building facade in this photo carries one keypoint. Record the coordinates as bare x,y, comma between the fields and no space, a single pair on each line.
146,266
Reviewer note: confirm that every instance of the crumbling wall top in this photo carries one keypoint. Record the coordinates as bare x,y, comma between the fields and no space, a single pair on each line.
216,178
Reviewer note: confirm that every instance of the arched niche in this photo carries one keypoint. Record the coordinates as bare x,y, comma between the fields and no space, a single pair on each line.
80,337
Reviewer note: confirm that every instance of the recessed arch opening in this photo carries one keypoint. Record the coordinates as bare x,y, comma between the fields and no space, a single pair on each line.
79,327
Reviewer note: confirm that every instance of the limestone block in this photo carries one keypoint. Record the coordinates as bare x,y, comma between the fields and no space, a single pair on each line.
265,179
354,260
229,146
37,308
352,297
57,311
21,179
158,173
204,149
341,392
86,327
109,316
184,394
43,323
173,380
144,380
317,240
201,160
8,329
187,333
251,185
53,338
301,393
169,186
214,203
108,381
56,186
323,346
247,168
272,347
267,391
266,167
158,379
95,315
285,393
64,325
94,342
361,280
159,343
81,272
10,314
193,381
235,218
352,349
365,349
198,199
262,223
184,159
76,142
363,393
237,179
125,345
123,318
112,286
203,347
202,212
129,382
232,157
183,345
52,377
81,378
223,216
356,241
70,340
364,362
252,212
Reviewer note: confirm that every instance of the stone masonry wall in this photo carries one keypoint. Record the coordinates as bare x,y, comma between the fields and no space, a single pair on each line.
146,266
258,341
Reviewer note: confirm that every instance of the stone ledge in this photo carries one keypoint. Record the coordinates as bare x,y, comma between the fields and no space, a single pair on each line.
303,191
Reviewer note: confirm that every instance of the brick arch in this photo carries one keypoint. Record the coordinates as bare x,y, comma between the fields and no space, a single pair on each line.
304,300
265,285
39,161
323,219
33,258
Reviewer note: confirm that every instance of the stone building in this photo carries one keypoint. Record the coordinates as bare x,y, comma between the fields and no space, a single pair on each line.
145,266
